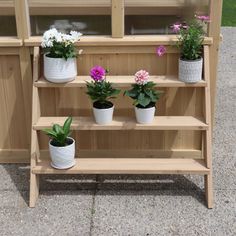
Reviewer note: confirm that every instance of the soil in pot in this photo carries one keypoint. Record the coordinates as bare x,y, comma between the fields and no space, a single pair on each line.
105,105
56,144
152,104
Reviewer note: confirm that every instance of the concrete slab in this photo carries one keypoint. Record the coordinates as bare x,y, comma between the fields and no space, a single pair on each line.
163,213
56,213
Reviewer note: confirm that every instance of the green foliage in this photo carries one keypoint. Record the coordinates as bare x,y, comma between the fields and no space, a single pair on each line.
61,50
229,10
143,95
59,134
190,41
101,91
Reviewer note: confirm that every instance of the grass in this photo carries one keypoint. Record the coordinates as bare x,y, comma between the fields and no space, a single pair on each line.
229,13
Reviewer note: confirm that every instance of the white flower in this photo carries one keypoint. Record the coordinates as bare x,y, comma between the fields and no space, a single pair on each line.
52,35
49,34
75,35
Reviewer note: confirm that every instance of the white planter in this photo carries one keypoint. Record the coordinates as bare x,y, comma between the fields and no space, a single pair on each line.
145,115
190,71
59,70
103,116
62,157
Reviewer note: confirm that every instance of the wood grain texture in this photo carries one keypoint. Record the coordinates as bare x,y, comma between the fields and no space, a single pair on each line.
117,18
126,40
126,123
120,81
127,166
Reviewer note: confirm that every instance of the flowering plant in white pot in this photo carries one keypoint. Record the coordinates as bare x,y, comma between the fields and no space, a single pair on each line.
61,146
190,40
145,97
60,55
101,91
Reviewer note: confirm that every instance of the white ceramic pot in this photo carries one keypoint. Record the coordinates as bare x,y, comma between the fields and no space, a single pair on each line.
145,115
59,70
62,157
103,116
190,71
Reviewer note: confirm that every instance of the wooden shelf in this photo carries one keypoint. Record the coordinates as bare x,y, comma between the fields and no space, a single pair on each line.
127,166
127,123
121,81
128,40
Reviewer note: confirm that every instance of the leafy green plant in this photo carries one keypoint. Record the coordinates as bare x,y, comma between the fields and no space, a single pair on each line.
60,134
145,95
59,50
99,90
190,40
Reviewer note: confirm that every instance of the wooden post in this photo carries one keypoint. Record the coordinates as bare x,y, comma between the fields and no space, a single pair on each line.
118,16
34,178
208,134
23,32
214,32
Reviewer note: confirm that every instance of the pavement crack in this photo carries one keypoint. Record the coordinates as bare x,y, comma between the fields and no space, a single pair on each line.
93,206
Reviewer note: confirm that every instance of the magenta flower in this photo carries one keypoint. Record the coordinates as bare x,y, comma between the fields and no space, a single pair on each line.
161,50
203,18
176,27
141,77
98,73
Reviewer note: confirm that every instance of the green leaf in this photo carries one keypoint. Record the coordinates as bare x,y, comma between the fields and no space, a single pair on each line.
50,133
66,126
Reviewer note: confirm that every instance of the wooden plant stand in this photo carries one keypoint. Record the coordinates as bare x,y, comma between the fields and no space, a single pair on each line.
125,165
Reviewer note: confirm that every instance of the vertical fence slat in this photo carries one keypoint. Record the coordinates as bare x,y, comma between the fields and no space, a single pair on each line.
23,32
117,18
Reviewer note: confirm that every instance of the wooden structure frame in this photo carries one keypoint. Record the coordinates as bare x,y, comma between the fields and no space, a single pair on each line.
16,54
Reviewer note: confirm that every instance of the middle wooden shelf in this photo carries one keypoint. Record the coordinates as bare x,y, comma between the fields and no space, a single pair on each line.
120,81
127,123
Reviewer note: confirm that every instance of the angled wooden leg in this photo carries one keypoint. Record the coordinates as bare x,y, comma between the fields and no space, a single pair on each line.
209,190
34,189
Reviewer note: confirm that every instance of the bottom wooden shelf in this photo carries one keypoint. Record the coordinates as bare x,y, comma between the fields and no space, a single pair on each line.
128,166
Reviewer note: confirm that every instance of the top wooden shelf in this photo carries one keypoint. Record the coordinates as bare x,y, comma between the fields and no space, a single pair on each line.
120,81
137,40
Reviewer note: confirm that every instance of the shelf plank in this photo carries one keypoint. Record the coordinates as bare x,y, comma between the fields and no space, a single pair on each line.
128,40
127,166
121,81
127,123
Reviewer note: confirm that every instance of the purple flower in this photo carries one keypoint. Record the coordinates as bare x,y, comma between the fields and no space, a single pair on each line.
161,50
98,73
176,27
203,18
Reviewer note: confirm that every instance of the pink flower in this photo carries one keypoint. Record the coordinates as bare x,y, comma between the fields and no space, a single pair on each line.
176,27
203,18
161,50
98,73
141,77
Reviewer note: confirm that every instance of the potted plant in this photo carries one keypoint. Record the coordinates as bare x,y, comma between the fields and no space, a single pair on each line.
60,54
145,97
191,37
101,91
61,146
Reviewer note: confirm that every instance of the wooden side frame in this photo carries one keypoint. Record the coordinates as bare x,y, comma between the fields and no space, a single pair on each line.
207,136
35,154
